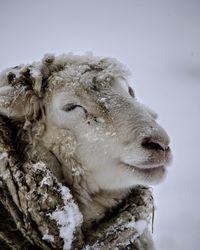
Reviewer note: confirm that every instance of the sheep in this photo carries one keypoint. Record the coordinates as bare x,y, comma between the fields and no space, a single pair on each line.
80,115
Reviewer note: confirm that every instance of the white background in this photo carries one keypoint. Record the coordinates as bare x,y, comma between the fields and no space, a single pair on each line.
160,42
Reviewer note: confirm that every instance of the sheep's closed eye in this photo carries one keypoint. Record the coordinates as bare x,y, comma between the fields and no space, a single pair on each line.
131,92
70,106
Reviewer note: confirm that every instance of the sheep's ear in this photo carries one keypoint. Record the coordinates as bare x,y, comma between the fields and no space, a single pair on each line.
18,103
12,102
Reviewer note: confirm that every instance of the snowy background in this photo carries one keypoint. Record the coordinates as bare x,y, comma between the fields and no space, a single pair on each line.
160,42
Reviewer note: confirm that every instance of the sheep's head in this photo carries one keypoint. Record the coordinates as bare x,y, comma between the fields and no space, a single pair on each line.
118,141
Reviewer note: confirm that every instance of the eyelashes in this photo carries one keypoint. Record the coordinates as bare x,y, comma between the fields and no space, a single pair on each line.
70,107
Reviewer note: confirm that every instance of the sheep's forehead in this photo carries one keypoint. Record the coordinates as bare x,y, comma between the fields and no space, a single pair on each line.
87,85
87,82
86,71
86,93
72,80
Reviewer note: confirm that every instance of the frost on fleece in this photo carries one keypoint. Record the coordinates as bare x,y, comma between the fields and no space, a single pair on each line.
68,217
50,217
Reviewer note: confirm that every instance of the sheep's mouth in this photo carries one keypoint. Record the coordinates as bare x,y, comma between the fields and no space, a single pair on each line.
152,169
149,170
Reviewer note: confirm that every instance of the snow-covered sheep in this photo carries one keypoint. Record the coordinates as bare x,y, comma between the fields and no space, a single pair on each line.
80,116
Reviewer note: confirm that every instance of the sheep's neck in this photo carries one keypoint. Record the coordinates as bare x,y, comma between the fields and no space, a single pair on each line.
94,206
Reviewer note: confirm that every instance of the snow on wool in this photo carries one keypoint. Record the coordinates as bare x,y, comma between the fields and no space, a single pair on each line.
48,237
67,218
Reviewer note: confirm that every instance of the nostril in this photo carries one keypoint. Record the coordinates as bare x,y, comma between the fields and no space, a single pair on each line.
150,144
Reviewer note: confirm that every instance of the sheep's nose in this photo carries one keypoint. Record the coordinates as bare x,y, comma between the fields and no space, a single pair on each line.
155,144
